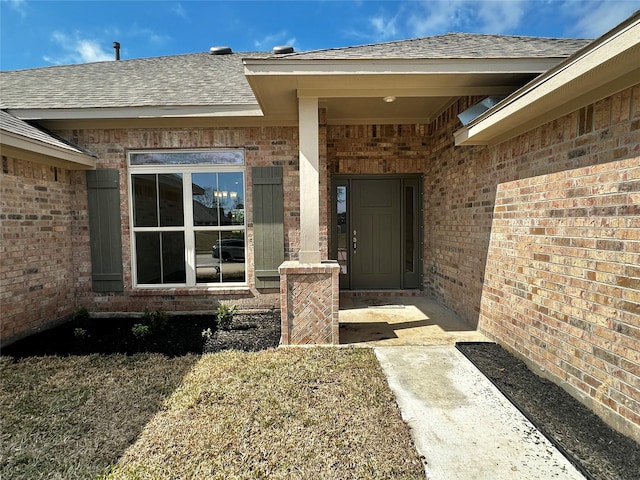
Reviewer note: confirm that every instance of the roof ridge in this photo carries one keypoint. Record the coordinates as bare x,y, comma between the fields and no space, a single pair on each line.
130,60
442,35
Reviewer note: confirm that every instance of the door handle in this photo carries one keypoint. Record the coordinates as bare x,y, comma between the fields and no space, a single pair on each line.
355,241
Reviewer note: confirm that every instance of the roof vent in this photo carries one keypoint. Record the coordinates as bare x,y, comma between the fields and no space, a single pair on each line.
220,50
282,49
478,109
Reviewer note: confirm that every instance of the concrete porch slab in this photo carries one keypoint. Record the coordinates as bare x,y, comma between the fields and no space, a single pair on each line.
401,320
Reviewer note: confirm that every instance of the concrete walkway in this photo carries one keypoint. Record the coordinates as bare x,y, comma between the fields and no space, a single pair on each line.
462,425
460,422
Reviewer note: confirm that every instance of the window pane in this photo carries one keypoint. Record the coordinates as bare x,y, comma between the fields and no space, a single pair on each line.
170,200
207,266
228,254
156,268
148,258
235,157
145,205
173,258
409,231
206,203
231,194
218,198
343,234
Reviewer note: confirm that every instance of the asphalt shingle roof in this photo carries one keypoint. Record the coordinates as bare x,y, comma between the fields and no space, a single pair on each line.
453,46
14,125
198,79
202,79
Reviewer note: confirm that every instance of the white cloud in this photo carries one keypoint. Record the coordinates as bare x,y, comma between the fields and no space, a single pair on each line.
271,40
75,49
150,35
179,10
19,6
438,16
385,28
442,16
593,18
500,17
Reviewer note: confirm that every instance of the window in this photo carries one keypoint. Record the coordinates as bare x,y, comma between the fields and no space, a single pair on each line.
187,218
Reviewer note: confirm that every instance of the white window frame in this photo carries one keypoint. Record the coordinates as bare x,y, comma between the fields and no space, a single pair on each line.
189,229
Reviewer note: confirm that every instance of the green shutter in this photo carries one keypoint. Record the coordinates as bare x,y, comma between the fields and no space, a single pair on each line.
103,188
268,225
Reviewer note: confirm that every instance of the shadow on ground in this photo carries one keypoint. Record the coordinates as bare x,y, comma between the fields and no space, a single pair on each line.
401,321
72,417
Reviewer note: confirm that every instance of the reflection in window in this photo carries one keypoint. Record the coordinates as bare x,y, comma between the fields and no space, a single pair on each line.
220,256
170,200
342,228
188,217
218,198
233,157
409,230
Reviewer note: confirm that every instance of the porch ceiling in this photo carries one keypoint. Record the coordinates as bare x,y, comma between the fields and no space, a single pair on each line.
353,92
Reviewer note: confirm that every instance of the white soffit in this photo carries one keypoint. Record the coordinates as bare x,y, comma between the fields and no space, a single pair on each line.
606,66
424,83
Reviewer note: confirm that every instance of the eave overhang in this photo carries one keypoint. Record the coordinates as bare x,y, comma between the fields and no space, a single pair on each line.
17,146
606,66
352,89
144,112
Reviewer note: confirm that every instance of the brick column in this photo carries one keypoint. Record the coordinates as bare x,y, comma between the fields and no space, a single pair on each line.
309,302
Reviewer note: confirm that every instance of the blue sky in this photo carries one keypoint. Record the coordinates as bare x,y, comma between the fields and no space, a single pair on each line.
36,33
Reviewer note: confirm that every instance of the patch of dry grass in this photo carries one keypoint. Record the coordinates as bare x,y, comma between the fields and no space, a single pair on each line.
287,413
72,417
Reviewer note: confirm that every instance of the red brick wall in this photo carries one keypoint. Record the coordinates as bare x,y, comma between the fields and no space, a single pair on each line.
552,274
38,210
461,183
377,149
263,146
47,219
562,282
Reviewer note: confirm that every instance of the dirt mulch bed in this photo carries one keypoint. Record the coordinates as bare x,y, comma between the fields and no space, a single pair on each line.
181,336
597,450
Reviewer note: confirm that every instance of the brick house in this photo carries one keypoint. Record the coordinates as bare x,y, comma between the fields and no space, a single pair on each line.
499,175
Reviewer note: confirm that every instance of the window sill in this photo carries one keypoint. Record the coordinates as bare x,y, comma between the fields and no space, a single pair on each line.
140,291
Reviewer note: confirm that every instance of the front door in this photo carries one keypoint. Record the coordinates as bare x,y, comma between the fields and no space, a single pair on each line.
376,232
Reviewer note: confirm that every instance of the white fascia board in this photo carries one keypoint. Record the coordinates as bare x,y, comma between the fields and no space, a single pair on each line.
251,110
545,97
73,160
396,66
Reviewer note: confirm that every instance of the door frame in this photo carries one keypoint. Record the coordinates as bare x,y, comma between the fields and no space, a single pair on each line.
410,280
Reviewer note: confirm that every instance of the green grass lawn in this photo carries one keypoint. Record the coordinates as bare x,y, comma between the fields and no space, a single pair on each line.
287,413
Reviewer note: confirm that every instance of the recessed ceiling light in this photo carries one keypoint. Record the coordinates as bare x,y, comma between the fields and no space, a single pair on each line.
389,99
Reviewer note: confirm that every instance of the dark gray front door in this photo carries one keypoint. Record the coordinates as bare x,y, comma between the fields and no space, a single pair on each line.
376,232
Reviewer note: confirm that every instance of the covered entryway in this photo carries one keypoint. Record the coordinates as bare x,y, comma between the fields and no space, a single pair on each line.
376,231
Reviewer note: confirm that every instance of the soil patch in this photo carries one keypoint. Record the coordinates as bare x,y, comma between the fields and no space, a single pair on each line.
597,450
182,335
